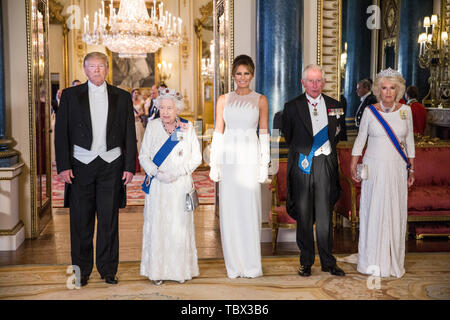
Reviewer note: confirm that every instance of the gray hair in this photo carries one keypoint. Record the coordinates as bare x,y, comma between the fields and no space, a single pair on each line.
96,55
313,67
179,104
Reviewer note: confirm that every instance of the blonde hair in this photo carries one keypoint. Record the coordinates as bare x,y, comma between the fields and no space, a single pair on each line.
398,81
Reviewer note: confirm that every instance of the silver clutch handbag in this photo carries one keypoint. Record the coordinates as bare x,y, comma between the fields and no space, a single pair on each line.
191,200
362,171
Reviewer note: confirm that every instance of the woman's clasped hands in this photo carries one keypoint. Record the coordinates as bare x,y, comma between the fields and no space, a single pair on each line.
169,175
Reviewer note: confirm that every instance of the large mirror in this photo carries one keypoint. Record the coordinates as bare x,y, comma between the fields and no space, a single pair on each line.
224,46
223,12
38,65
205,60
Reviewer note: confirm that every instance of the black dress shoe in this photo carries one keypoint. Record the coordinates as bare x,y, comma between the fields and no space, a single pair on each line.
334,270
84,280
110,279
304,271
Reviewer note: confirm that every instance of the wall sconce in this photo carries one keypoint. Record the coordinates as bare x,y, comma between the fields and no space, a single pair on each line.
165,70
434,55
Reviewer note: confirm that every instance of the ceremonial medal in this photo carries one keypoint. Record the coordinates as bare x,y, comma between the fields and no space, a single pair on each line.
180,136
403,114
314,105
305,163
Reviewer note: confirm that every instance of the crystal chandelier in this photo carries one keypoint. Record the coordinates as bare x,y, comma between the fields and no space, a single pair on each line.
132,31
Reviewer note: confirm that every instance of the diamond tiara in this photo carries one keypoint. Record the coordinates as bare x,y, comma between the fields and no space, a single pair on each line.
166,92
389,73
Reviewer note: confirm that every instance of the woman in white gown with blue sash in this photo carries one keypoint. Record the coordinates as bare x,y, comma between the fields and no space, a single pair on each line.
389,157
239,160
168,244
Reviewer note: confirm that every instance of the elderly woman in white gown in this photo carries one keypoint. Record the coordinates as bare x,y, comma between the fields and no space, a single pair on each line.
168,244
383,209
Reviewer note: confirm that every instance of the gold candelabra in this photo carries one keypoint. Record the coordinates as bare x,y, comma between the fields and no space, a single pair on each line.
434,55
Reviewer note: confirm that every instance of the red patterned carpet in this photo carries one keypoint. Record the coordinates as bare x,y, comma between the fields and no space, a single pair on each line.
135,196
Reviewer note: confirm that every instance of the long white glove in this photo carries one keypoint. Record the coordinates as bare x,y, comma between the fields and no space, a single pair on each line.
215,156
166,176
264,157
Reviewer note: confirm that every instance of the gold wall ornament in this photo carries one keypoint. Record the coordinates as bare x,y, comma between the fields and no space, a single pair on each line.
186,98
80,48
184,48
329,15
55,12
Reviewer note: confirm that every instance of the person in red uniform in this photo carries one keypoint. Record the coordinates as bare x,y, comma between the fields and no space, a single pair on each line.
419,113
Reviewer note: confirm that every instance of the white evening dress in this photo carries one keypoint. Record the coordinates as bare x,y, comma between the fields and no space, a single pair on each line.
239,190
383,209
168,244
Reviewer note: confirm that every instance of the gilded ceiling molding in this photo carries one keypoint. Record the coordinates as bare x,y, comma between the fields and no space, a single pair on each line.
329,14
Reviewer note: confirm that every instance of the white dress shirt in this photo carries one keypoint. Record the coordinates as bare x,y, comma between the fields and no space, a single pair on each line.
319,121
98,106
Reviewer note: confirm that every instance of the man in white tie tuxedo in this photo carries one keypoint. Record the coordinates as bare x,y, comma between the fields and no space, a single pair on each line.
95,148
311,128
363,89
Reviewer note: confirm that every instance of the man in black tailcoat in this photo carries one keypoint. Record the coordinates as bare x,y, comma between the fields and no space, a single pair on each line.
311,128
95,148
363,90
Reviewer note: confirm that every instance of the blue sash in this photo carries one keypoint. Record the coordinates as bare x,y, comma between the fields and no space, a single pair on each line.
304,162
390,134
161,155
